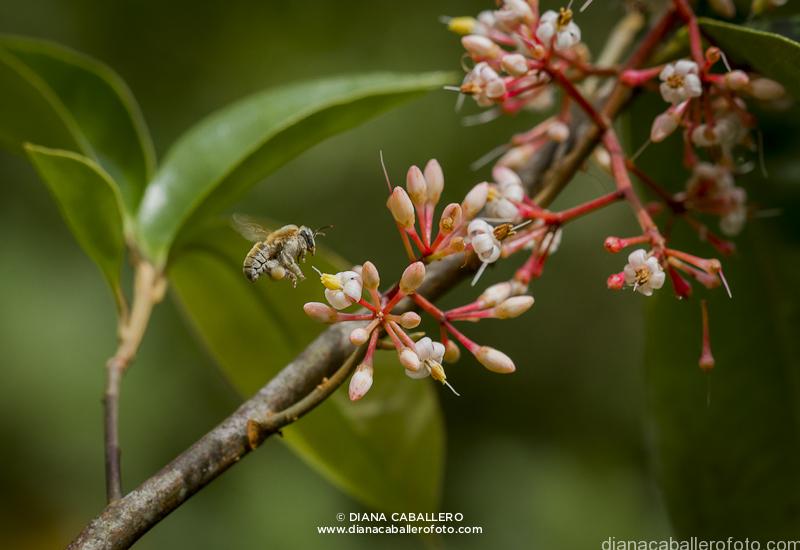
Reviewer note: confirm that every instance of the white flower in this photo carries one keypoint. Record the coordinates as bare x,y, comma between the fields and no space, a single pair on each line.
734,219
643,273
513,13
483,241
680,81
342,289
708,181
505,195
561,26
726,132
431,355
484,84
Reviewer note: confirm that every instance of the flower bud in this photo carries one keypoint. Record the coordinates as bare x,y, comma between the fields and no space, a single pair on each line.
451,218
736,80
558,132
434,177
401,207
663,126
480,46
409,320
321,312
517,157
409,359
416,186
614,244
475,200
452,353
495,294
369,276
495,360
360,382
616,281
513,307
359,336
412,278
766,89
515,64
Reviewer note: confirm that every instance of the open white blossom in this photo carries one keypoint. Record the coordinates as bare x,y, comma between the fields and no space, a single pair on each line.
643,273
680,81
505,195
342,289
484,84
485,244
431,355
561,26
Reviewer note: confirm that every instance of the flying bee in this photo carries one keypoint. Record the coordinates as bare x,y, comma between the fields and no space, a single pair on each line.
276,253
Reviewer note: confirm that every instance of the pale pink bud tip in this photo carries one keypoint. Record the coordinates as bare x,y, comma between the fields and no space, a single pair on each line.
480,46
663,126
409,359
475,200
369,275
737,80
416,186
616,281
515,64
410,319
320,312
361,382
614,244
452,353
451,218
359,336
401,207
412,277
514,307
434,177
766,89
495,360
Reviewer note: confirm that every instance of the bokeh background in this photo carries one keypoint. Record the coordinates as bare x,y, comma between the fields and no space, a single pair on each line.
555,456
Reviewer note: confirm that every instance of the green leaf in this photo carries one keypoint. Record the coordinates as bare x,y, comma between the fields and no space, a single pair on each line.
386,450
56,97
770,54
90,203
234,148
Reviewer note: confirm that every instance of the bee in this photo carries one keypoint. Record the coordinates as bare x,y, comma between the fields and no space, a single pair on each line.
276,253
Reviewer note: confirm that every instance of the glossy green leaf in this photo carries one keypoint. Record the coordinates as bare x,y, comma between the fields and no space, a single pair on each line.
90,203
234,148
771,54
386,450
56,97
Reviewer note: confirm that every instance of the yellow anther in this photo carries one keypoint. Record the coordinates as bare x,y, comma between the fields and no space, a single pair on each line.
437,371
461,25
331,282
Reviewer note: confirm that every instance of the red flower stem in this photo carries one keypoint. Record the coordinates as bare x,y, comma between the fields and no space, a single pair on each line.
428,307
695,41
354,316
471,346
406,244
429,208
675,205
395,340
710,266
367,305
463,309
578,97
373,344
393,301
652,41
412,232
706,357
402,334
472,316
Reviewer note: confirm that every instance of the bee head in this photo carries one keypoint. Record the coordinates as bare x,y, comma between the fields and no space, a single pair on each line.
308,235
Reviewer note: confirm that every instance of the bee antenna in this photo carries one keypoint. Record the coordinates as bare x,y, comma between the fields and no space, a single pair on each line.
321,229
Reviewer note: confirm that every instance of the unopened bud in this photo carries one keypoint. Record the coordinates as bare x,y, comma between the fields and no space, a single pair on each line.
558,132
412,278
475,200
495,360
766,89
321,312
434,177
461,25
515,64
401,207
452,353
517,157
713,54
370,276
495,294
616,281
360,382
451,218
409,319
416,186
663,126
480,46
614,244
409,359
359,336
736,80
602,158
513,307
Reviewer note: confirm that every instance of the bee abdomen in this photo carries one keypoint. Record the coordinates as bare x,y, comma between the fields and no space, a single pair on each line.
255,263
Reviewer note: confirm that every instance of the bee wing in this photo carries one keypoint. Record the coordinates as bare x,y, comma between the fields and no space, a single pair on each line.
248,228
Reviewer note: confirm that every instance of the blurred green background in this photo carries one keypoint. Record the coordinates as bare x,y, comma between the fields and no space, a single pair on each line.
555,456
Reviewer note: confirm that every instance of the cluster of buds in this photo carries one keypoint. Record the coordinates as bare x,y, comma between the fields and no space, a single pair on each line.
413,211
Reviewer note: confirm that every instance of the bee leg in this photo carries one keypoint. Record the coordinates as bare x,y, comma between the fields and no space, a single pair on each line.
292,268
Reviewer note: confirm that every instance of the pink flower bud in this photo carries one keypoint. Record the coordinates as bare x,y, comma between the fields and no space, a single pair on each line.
766,89
513,307
480,46
321,312
616,281
495,360
412,278
475,200
369,276
614,244
409,359
416,186
410,319
401,207
663,126
435,180
452,353
451,218
558,132
495,294
736,80
360,382
359,336
515,64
